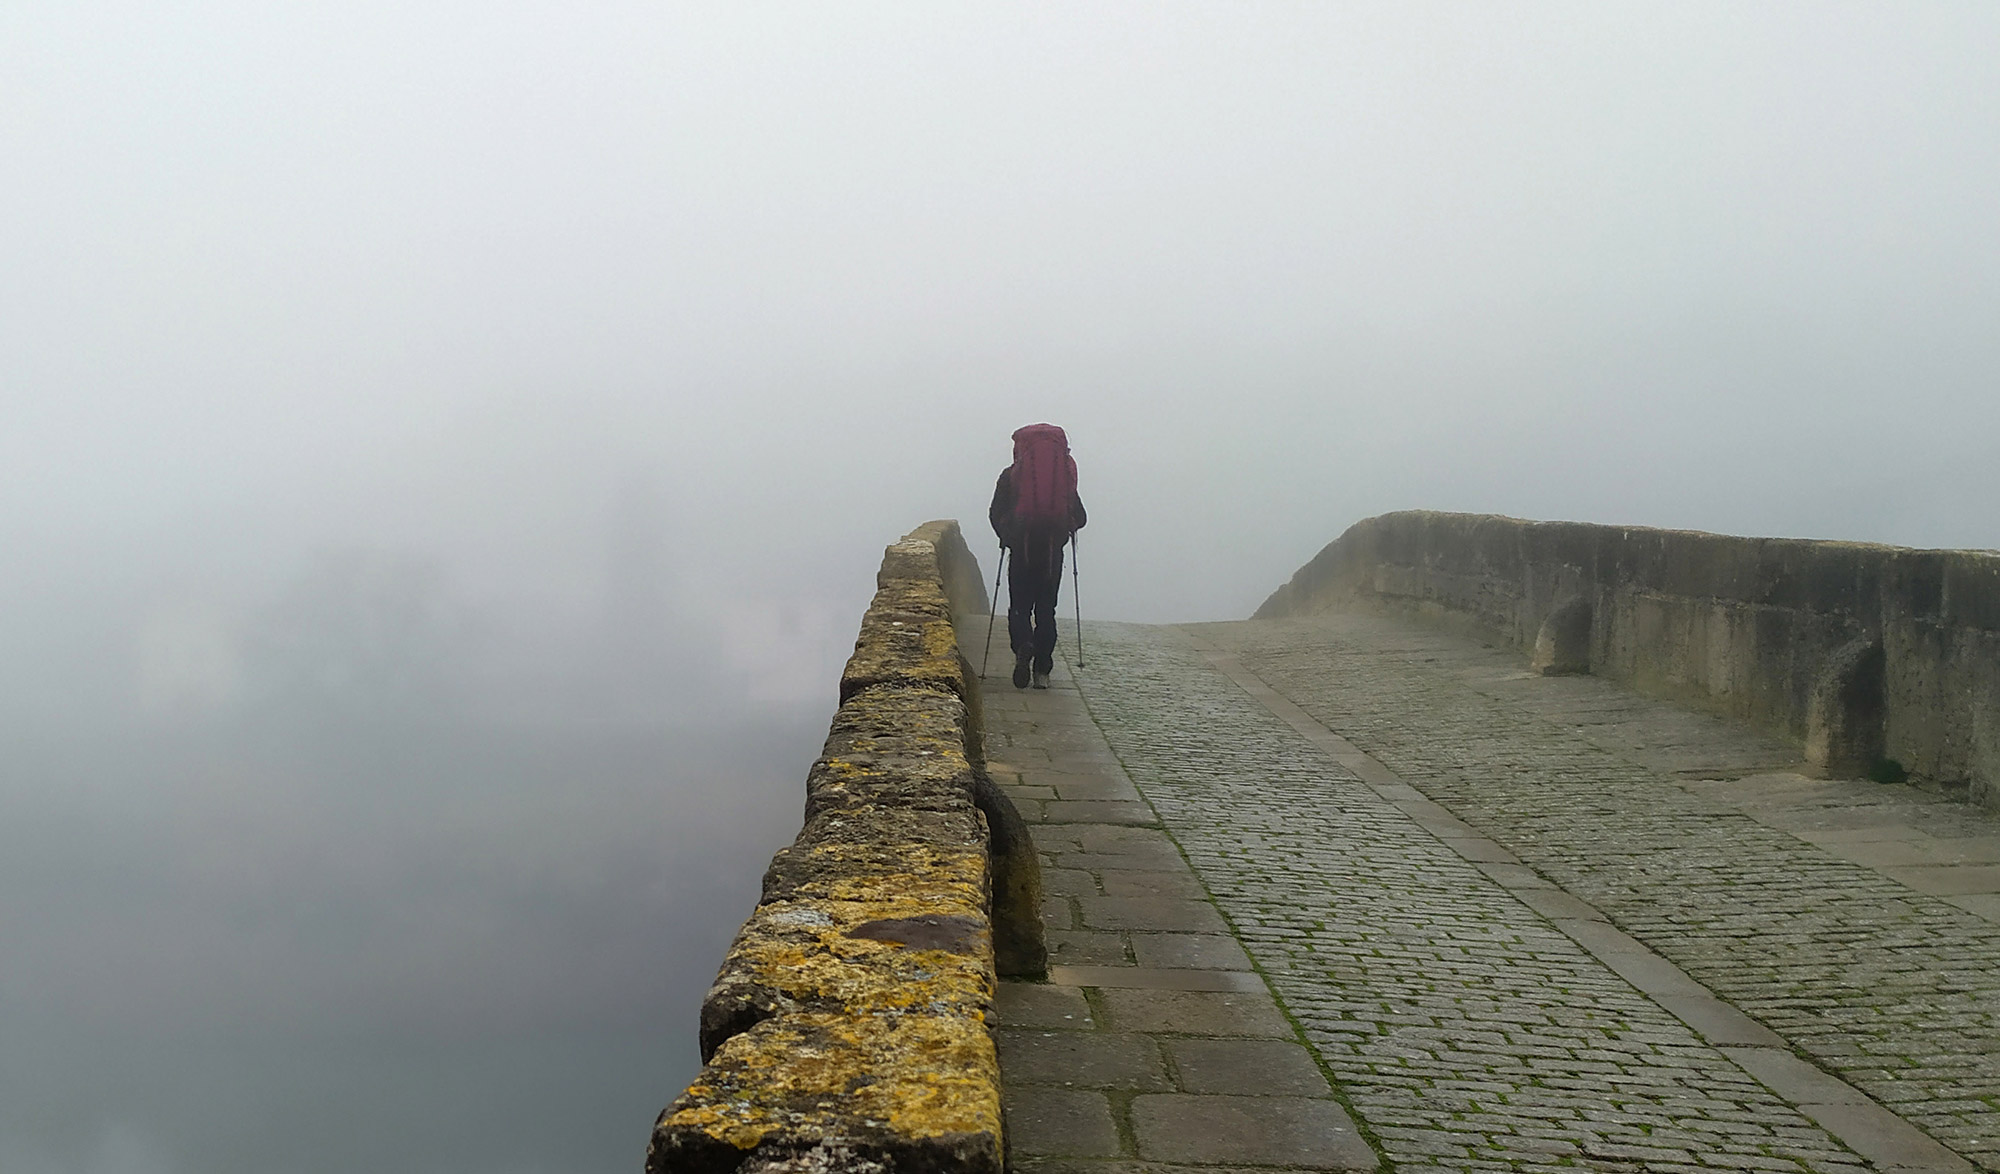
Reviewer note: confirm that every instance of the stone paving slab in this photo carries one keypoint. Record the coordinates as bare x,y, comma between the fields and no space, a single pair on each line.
1020,1004
1076,1059
1253,1130
1215,1013
1148,978
1154,1048
1276,1067
1212,951
1059,1122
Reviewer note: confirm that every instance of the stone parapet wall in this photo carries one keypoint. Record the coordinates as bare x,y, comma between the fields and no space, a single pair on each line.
847,1030
1857,652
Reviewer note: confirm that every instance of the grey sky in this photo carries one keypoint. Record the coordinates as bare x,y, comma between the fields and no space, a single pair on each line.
441,272
604,346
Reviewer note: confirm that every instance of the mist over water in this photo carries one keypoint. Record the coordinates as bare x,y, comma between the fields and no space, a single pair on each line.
445,450
377,880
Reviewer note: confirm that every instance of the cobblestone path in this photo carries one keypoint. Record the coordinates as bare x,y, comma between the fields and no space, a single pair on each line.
1895,990
1437,930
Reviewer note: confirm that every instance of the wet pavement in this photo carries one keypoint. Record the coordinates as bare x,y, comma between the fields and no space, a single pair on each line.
1346,893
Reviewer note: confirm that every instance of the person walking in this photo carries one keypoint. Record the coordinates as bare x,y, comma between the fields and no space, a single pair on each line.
1035,512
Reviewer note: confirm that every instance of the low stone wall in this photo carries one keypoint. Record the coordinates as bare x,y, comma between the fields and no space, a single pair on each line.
847,1030
1859,653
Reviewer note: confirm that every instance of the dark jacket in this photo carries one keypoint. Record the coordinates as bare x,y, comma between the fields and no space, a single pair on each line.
1001,514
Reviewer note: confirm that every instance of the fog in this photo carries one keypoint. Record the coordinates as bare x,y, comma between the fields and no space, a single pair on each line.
445,449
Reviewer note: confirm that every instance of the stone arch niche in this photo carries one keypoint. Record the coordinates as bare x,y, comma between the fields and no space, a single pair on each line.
1562,645
1844,716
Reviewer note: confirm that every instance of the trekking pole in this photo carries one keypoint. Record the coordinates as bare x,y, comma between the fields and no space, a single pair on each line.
993,609
1075,597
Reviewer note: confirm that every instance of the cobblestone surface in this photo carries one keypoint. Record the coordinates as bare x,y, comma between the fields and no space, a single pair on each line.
1463,1029
1153,1048
1897,991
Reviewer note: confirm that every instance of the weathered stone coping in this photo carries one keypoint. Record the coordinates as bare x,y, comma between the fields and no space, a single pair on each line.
1857,652
847,1030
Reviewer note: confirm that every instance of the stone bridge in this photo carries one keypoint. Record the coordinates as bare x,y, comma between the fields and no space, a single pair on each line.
1382,881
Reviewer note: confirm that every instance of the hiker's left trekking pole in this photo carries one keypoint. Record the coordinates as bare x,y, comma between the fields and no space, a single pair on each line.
993,610
1075,597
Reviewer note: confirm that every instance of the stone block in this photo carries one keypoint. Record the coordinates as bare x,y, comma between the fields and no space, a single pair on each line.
1086,1059
1194,951
1196,1013
1068,882
1060,1122
1099,811
1259,1131
889,854
1170,914
1885,1139
1079,947
1562,643
1024,1004
911,558
863,958
1134,882
963,582
907,639
1247,1067
899,722
1152,978
1088,786
1020,941
916,1092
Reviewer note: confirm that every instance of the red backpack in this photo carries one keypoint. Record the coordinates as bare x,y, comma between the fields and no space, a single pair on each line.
1044,478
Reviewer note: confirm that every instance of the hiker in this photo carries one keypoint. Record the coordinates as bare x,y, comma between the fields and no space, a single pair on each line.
1035,512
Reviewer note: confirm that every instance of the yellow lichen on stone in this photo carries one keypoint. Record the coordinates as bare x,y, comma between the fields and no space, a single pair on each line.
812,1074
941,642
707,1110
805,951
909,595
944,1078
922,756
906,637
929,875
961,895
851,1011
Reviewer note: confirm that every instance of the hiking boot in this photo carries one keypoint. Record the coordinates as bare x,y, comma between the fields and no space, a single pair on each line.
1022,667
1041,680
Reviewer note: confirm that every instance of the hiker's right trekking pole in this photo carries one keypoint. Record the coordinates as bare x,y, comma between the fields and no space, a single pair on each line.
1075,597
994,610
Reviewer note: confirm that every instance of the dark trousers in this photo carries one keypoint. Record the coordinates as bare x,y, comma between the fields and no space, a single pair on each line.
1034,575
